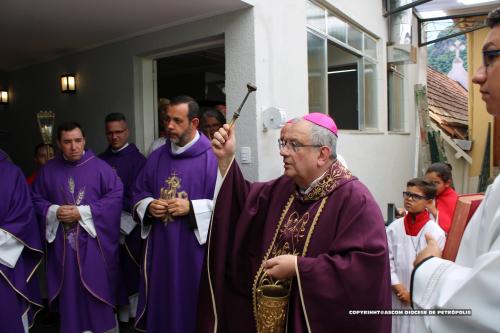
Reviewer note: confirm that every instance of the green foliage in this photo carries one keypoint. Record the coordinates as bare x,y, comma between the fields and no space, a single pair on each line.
440,58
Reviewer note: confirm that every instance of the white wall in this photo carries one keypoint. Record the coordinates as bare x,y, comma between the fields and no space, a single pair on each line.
382,160
281,72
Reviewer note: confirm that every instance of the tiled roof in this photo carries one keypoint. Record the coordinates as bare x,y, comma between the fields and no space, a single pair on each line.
447,102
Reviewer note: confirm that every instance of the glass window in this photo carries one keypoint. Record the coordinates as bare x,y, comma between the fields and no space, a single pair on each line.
370,46
316,16
316,59
354,38
337,28
342,71
343,87
395,92
370,95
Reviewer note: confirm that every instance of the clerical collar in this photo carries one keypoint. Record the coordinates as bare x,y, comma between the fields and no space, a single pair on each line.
313,184
176,150
78,159
119,150
415,223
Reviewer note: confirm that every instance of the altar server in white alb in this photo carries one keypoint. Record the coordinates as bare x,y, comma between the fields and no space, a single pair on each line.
406,237
472,281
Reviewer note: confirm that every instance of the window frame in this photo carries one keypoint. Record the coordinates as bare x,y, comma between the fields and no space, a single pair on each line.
363,57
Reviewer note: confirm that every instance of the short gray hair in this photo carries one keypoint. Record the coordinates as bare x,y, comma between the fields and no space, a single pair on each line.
321,136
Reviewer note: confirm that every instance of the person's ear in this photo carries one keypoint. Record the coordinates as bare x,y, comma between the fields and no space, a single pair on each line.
195,122
324,155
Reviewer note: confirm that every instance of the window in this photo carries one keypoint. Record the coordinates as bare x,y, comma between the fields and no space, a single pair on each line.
342,60
395,91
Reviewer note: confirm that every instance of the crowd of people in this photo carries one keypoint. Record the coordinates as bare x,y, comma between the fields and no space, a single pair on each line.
180,241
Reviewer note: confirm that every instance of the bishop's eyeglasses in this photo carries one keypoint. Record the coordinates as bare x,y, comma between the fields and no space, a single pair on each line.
489,57
293,145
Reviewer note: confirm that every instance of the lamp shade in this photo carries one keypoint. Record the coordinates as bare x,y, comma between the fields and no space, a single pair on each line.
4,97
68,83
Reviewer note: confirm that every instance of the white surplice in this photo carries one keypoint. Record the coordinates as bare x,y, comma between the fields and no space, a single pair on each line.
402,252
472,282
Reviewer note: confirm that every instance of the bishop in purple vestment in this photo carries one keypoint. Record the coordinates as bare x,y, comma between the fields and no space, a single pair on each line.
173,200
127,161
78,199
316,229
20,251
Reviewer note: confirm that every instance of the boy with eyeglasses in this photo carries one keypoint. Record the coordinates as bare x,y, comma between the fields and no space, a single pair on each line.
406,237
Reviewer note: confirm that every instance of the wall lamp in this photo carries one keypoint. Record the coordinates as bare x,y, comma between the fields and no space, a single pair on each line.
68,83
4,97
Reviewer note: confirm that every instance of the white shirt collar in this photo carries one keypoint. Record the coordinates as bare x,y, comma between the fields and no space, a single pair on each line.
313,183
176,150
118,150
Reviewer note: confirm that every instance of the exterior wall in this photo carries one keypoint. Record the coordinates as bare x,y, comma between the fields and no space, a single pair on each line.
478,116
460,170
382,160
281,73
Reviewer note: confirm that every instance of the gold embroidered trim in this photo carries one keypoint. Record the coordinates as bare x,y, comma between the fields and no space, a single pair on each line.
64,262
313,225
80,271
261,268
329,182
272,246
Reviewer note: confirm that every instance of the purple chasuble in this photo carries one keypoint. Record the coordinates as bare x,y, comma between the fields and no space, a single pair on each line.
173,256
18,286
127,163
338,233
81,270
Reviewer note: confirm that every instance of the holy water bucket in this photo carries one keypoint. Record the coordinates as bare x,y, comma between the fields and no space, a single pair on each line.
272,303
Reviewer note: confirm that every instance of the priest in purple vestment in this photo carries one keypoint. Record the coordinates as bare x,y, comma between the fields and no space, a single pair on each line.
173,202
78,199
316,230
127,161
20,251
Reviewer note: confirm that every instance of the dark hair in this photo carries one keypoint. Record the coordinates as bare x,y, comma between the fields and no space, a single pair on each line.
493,18
427,187
193,107
115,117
214,114
443,170
68,126
40,145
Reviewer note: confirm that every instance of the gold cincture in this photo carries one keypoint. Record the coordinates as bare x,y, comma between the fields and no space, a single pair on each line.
272,304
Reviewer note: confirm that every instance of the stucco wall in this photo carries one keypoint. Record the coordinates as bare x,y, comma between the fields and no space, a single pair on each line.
478,116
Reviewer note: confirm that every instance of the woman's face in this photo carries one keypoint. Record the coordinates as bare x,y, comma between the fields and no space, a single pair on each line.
212,125
441,185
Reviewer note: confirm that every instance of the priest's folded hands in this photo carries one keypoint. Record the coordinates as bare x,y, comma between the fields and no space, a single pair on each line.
68,214
160,208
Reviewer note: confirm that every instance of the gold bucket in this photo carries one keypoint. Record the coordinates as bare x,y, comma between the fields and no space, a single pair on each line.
272,303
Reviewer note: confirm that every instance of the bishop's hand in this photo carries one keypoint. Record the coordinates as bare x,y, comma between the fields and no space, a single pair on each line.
281,267
223,146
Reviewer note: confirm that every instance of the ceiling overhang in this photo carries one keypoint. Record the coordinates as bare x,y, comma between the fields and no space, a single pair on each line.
36,31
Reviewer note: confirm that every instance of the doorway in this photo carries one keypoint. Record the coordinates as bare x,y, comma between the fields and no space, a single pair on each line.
199,74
